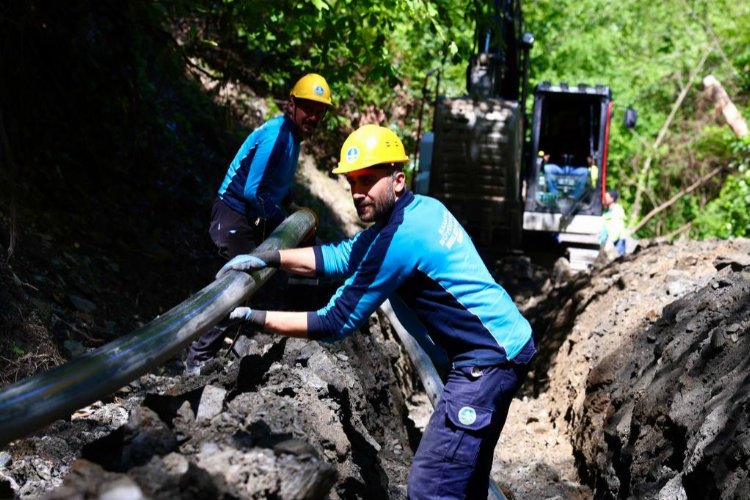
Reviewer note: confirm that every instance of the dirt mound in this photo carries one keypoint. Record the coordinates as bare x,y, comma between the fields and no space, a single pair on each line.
286,419
672,403
643,364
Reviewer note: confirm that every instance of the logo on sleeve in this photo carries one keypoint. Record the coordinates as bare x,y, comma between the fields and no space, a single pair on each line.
467,415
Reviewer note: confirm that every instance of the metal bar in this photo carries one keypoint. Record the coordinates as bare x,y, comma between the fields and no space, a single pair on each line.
34,402
423,364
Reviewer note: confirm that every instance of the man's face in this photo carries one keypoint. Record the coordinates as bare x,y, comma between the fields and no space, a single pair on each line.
608,200
307,114
374,191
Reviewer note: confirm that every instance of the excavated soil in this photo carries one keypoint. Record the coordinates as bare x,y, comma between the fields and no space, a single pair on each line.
638,391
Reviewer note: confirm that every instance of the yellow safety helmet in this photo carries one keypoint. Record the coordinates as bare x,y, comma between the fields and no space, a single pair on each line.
312,87
370,145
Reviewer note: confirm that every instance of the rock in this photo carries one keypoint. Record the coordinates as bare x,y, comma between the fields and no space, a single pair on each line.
83,305
90,480
673,490
678,288
561,273
297,447
185,413
176,464
736,261
211,402
121,489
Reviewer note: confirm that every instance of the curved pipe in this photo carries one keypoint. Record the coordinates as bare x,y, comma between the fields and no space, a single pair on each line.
34,402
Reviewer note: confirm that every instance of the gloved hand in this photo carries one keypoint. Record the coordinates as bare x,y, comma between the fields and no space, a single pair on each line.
252,316
250,262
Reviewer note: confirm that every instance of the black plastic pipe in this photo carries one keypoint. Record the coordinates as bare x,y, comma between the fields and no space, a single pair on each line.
34,402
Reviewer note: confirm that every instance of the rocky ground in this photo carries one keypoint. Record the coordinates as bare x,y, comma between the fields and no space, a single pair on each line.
639,390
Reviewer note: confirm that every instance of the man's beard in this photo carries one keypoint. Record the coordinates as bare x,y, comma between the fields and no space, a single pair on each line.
308,133
381,208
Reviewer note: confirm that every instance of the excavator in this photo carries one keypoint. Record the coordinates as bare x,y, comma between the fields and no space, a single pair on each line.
508,175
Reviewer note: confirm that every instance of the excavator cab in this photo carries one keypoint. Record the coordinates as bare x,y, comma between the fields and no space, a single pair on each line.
566,177
504,174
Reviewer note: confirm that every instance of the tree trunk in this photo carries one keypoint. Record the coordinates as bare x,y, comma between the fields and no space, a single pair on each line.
716,92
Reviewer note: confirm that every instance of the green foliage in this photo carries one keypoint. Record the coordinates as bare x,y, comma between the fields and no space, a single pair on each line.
376,53
729,214
365,49
646,53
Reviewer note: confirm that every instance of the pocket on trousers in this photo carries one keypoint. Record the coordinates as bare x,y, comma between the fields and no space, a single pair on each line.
465,427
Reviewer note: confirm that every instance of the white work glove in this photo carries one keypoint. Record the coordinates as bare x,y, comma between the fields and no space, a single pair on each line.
252,316
250,262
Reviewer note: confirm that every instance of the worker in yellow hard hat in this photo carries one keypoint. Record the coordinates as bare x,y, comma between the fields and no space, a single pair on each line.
309,100
417,255
249,201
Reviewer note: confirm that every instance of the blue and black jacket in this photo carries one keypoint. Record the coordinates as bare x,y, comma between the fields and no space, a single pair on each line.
261,173
424,256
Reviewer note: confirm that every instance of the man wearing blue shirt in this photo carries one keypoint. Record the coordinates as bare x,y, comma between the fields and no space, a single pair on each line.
415,251
248,206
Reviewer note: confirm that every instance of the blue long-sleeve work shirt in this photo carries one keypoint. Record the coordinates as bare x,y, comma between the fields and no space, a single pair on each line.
424,256
262,171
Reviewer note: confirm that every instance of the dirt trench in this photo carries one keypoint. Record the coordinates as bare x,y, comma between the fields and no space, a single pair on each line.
638,391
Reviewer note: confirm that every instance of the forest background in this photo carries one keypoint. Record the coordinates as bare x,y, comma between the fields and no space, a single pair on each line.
376,55
118,120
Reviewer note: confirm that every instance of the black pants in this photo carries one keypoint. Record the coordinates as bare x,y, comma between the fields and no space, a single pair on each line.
234,235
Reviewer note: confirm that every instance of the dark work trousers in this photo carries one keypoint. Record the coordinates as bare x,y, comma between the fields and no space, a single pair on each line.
234,235
454,458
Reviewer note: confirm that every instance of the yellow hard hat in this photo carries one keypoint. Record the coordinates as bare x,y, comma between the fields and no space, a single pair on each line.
312,87
370,145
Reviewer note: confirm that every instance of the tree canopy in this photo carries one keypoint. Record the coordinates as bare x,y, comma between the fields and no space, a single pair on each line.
652,55
377,54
